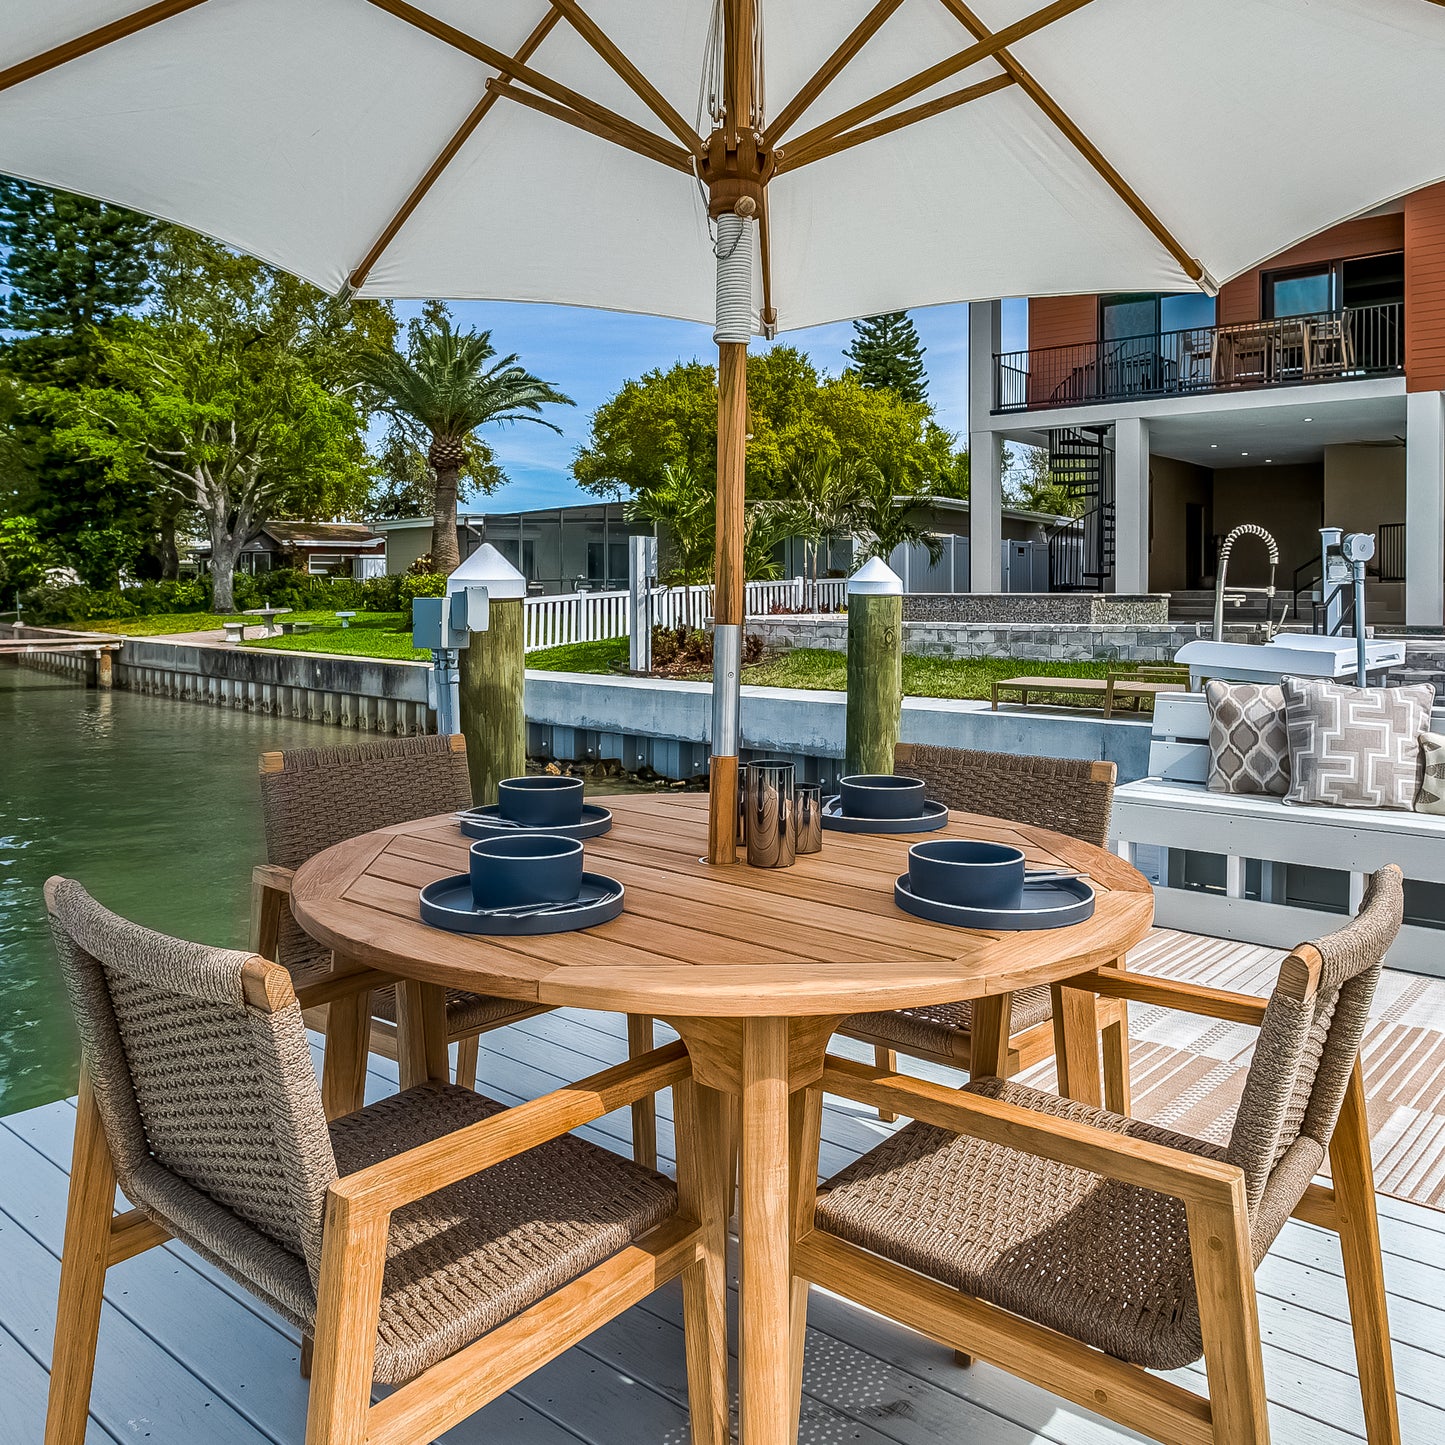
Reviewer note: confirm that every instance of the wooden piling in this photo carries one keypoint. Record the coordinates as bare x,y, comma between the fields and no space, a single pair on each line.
493,719
875,682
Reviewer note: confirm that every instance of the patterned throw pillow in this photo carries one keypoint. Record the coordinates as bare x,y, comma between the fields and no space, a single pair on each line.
1431,797
1355,747
1248,741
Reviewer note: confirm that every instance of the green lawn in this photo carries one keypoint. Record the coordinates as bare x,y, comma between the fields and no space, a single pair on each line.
582,656
371,634
165,623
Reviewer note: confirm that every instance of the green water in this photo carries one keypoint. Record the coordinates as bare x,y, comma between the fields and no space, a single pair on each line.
151,804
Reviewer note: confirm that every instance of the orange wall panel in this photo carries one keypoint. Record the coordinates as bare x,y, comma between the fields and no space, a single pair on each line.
1063,321
1425,290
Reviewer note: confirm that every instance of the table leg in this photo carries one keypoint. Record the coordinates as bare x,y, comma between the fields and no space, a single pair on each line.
765,1412
421,1033
1076,1044
992,1017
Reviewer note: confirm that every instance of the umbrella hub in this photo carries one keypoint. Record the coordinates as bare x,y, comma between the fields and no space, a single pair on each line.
735,167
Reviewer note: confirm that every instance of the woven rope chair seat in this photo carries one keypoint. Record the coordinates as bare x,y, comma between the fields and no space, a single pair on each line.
937,1028
1105,1262
466,1012
464,1260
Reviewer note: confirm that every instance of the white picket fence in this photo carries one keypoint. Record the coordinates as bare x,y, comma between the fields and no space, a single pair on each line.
596,616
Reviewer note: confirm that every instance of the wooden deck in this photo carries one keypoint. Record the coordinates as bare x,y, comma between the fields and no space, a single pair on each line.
186,1358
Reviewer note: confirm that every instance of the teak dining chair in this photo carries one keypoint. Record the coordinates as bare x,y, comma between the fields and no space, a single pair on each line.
436,1241
1066,795
312,798
1080,1249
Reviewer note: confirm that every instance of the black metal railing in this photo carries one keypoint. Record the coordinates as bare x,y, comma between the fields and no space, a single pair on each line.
1390,551
1331,346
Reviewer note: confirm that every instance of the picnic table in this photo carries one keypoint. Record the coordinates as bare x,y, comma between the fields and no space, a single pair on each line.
268,616
1136,686
754,968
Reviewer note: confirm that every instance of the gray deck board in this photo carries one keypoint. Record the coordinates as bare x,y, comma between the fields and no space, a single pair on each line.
187,1357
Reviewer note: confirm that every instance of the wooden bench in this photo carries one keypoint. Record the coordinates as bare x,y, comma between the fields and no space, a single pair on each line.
235,631
1122,686
1260,840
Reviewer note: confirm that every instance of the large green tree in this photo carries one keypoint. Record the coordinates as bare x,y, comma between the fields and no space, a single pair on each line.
439,391
794,415
71,266
887,354
232,399
682,507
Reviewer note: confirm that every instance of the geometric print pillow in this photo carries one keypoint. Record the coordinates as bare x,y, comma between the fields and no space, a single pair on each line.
1355,747
1431,798
1248,740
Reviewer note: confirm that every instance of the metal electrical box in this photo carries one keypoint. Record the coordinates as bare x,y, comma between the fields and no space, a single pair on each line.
447,623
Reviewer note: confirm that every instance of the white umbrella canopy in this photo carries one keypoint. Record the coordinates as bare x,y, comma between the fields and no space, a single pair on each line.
899,153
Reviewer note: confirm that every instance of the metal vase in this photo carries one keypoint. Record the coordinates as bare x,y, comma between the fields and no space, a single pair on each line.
768,816
807,818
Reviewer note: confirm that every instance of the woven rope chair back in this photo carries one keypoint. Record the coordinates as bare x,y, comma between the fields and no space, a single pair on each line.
1305,1052
210,1105
323,796
1066,795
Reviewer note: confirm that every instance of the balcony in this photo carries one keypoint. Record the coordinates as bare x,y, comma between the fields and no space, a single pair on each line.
1359,341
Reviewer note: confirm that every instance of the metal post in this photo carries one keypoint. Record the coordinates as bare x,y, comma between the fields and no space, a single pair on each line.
1362,679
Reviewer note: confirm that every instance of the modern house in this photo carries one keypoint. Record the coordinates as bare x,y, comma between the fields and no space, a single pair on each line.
1310,392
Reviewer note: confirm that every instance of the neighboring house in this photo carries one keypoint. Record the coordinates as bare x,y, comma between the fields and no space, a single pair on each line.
334,549
1311,393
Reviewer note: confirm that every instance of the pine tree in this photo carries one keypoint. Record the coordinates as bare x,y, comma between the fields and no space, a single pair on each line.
886,353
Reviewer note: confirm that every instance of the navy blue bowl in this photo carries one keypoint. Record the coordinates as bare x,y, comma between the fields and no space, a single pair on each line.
967,874
881,795
520,868
541,801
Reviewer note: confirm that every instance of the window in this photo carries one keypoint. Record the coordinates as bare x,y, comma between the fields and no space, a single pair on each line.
1125,317
1305,292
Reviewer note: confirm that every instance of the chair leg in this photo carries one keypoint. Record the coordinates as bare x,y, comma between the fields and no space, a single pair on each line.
887,1060
353,1257
1229,1318
962,1360
308,1352
1076,1044
1118,1094
348,1045
701,1155
641,1039
1359,1228
805,1123
82,1275
468,1050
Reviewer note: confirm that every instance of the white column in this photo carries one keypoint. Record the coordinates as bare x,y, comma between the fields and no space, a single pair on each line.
1131,505
985,451
1424,508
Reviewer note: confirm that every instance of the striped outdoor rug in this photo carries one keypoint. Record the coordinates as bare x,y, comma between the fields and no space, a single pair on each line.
1188,1072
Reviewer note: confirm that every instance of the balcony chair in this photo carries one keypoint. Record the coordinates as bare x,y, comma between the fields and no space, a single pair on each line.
1080,1249
312,798
1066,795
378,1235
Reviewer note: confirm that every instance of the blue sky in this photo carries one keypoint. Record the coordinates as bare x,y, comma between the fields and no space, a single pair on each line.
589,354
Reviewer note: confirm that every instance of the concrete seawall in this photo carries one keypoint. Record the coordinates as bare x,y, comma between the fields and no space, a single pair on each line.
574,717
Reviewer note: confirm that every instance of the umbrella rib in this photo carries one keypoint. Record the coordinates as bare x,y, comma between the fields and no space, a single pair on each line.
634,79
448,154
94,40
1071,132
640,142
982,49
794,157
562,95
831,68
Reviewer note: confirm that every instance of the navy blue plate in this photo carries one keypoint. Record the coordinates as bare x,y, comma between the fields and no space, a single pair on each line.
1045,905
935,815
489,823
447,903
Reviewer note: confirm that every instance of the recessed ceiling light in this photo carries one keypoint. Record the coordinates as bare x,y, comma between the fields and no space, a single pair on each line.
1309,418
1244,454
1214,446
1268,460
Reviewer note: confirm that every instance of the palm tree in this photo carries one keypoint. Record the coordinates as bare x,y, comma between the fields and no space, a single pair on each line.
447,385
882,516
820,495
683,503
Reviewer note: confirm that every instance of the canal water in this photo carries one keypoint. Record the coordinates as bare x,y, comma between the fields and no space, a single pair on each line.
151,804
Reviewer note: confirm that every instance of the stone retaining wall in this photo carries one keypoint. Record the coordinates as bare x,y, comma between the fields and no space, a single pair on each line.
1060,642
1046,608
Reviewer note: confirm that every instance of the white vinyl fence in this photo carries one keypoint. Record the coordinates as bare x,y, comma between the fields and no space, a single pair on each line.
596,616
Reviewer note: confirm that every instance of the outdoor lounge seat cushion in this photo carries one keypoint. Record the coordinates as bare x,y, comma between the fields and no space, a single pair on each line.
1248,740
1105,1262
938,1028
467,1258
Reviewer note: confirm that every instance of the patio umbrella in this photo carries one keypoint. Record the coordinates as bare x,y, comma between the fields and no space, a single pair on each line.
758,164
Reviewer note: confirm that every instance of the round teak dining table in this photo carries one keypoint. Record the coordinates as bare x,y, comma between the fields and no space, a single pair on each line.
754,968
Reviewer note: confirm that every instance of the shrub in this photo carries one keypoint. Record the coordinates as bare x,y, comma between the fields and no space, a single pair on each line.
690,647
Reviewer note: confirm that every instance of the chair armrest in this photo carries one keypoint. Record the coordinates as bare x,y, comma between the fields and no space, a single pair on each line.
1185,1176
1215,1003
273,877
386,1186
